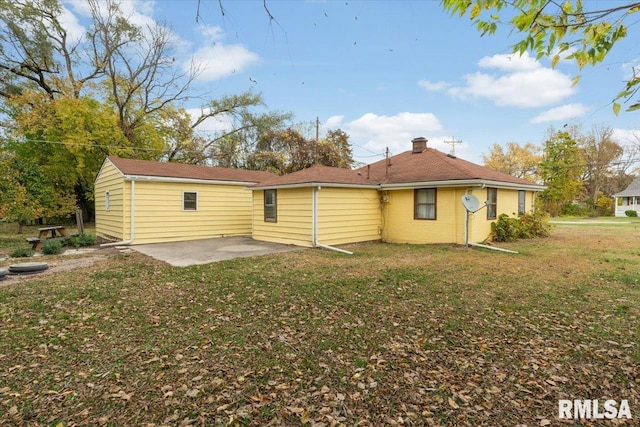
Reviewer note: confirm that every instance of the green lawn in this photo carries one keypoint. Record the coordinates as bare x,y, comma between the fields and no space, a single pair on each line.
392,335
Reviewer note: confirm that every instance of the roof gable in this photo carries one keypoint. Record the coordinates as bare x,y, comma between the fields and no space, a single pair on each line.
150,168
632,190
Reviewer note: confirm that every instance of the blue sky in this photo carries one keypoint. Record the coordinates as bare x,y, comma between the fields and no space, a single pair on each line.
388,71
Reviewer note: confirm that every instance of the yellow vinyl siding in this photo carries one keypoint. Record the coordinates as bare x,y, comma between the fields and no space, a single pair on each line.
401,227
348,215
294,217
223,210
480,227
109,223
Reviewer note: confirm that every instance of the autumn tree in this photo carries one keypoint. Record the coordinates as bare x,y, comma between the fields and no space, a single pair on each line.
72,99
334,150
600,154
553,29
518,160
561,171
289,151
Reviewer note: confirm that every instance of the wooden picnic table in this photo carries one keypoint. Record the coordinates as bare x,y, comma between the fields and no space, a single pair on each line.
44,231
47,233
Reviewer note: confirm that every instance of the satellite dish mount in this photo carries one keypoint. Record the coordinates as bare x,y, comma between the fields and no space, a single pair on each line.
471,205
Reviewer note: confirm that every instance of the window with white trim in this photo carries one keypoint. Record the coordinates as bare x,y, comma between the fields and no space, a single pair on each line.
107,201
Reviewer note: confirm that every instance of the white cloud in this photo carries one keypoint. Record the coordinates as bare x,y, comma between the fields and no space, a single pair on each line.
137,12
510,81
564,112
626,137
212,125
526,89
216,60
434,86
69,21
629,69
375,133
333,122
511,63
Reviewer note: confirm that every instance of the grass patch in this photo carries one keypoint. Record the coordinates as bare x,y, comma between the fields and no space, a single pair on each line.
395,334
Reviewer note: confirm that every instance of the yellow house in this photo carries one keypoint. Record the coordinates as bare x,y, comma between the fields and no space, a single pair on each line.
139,201
413,197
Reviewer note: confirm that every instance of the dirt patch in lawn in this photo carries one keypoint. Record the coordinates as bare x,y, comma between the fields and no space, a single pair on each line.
72,260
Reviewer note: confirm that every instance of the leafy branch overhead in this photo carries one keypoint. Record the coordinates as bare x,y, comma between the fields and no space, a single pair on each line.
555,30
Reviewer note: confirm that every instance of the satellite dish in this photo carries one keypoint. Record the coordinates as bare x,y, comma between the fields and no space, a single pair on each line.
470,202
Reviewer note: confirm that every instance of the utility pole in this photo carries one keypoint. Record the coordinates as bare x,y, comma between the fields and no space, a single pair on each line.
453,144
386,168
315,148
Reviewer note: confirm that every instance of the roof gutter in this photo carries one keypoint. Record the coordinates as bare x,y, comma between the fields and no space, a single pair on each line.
314,185
314,222
463,183
132,218
183,180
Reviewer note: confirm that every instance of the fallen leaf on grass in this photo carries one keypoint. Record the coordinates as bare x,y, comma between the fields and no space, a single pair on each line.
192,392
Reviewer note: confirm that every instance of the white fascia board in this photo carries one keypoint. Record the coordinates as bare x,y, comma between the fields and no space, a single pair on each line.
140,178
104,162
511,185
462,183
315,184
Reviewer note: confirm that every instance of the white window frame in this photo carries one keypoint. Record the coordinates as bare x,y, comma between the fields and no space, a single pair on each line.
107,201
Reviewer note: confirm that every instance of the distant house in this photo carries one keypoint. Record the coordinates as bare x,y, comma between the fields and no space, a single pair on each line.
628,199
413,197
139,201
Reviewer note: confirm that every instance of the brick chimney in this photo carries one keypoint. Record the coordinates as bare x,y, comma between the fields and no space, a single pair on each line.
419,144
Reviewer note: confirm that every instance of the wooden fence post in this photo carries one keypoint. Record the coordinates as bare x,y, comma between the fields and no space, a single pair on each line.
79,221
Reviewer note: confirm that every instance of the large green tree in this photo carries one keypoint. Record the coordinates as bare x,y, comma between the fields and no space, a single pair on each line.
27,192
561,171
584,32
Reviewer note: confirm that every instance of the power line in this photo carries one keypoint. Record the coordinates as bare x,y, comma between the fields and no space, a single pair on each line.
86,144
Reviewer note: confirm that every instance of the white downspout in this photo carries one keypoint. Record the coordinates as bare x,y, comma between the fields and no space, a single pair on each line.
314,225
132,219
478,245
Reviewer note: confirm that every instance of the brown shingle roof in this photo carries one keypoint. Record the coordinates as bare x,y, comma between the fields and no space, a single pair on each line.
432,165
180,170
405,168
319,174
